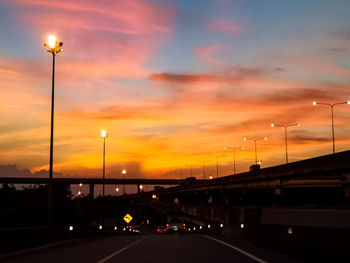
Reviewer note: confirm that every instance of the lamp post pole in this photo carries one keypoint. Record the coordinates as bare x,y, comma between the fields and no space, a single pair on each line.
217,162
285,135
50,186
104,166
54,48
123,173
203,171
233,149
255,148
332,114
104,134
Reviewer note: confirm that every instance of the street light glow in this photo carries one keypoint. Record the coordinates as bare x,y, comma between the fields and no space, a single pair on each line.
314,103
117,189
103,133
124,171
51,41
272,125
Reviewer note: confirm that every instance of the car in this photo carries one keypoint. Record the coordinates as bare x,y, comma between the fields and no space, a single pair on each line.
177,227
162,230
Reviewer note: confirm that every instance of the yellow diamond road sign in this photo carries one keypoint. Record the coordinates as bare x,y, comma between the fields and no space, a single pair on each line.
127,218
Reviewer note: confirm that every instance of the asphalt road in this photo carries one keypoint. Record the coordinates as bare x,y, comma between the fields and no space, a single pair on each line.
153,248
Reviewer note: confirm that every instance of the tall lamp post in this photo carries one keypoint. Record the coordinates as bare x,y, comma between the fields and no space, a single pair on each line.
104,134
233,149
332,106
123,173
54,48
285,134
255,140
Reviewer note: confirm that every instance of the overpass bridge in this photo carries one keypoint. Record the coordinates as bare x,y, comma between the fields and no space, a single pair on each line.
92,181
329,171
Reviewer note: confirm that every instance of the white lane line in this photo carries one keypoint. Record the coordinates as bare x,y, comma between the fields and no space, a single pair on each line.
238,249
119,251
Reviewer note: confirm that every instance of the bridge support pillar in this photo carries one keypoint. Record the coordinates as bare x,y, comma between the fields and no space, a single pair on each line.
91,190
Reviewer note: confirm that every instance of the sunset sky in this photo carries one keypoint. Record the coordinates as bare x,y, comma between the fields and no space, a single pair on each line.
173,82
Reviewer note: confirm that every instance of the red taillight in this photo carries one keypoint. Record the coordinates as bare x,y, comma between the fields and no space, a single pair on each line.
184,226
158,230
164,229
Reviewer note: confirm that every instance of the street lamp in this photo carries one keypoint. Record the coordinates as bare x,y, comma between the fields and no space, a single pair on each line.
255,140
285,134
233,149
54,48
104,134
123,173
332,106
217,162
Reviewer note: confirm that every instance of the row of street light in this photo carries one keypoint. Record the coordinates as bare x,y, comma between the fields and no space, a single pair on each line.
234,149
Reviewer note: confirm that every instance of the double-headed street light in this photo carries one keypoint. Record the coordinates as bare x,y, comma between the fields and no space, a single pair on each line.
54,48
233,149
332,106
285,134
255,140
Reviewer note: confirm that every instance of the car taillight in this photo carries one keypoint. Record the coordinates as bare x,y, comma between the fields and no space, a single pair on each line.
158,230
184,226
164,229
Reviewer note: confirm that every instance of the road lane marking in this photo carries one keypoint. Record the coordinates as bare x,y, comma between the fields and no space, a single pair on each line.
238,249
119,251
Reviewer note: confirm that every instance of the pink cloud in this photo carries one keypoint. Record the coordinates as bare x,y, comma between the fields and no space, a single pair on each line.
130,17
223,25
207,54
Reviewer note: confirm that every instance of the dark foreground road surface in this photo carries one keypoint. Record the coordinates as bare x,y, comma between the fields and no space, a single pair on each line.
153,248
